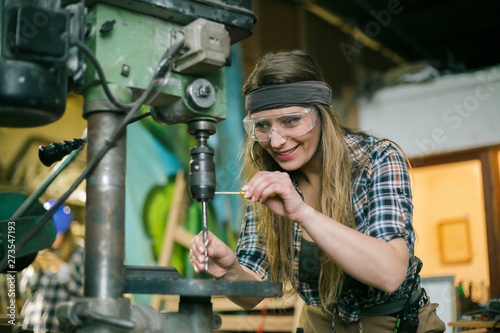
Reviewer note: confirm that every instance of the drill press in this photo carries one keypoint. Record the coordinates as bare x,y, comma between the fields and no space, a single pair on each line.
128,39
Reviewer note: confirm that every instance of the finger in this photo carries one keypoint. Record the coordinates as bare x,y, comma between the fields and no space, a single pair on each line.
251,188
269,192
192,256
193,264
197,243
260,188
267,185
194,243
192,259
211,251
200,267
197,265
280,184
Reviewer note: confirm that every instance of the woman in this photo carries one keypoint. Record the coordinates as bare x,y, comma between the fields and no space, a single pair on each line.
328,210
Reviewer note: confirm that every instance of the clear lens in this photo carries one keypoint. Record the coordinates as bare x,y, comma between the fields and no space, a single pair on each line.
288,125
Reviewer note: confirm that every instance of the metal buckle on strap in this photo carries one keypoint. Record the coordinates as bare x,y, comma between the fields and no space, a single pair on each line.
423,299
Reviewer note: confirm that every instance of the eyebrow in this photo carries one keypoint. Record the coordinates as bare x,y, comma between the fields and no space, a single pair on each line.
284,115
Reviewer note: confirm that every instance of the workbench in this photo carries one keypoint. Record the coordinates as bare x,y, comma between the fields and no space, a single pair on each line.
475,326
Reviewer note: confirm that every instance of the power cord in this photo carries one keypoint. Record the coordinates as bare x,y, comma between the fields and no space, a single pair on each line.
21,218
102,77
139,117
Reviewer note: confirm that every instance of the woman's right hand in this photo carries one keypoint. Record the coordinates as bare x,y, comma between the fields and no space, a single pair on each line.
222,260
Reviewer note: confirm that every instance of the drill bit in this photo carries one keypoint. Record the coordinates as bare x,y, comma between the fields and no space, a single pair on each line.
205,230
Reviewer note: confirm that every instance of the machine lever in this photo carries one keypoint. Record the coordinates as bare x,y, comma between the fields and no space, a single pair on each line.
56,151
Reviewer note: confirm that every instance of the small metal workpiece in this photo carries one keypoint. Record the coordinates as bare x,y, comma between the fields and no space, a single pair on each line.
205,231
241,193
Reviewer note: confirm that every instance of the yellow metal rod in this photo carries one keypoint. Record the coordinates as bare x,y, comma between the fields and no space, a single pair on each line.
240,193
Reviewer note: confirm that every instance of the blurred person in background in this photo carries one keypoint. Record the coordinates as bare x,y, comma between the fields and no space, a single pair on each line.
55,276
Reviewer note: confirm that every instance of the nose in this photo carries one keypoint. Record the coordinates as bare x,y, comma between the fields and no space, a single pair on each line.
277,140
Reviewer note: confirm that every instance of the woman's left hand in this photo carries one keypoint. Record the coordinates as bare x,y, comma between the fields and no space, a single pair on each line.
276,191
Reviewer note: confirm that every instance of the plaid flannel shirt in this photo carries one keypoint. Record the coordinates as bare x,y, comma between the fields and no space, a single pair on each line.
381,198
49,290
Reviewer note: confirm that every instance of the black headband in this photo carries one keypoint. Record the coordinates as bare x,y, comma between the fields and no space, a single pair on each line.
281,96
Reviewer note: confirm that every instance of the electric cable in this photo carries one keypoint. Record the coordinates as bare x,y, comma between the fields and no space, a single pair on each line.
21,218
139,117
90,167
92,164
164,64
102,77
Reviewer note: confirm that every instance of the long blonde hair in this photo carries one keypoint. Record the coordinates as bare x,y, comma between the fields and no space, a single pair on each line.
335,193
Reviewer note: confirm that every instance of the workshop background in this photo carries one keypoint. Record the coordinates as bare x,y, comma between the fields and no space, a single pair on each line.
425,74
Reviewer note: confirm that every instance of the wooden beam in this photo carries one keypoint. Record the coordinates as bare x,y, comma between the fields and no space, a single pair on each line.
175,220
254,322
491,190
222,303
478,324
451,157
356,33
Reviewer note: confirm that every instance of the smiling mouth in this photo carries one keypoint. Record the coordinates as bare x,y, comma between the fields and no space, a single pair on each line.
288,152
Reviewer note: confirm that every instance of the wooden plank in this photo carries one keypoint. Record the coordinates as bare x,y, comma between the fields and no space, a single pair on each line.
183,236
491,190
222,303
273,321
254,322
476,324
176,215
451,157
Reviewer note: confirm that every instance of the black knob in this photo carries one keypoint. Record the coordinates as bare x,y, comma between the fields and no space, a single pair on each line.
55,152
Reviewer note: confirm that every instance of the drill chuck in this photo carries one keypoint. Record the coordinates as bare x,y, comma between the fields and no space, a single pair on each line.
202,173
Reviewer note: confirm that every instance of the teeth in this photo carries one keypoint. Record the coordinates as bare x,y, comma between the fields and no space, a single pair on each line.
287,152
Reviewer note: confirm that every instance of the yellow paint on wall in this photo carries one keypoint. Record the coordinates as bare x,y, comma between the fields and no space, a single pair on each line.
71,125
449,192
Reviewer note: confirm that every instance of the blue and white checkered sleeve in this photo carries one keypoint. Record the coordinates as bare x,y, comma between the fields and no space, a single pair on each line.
75,284
390,208
249,252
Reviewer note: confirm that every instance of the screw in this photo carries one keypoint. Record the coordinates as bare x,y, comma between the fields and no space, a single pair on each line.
204,91
125,70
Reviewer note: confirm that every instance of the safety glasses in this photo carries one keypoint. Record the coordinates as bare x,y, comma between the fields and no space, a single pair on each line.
288,125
